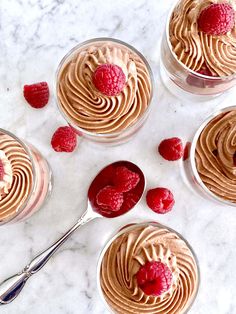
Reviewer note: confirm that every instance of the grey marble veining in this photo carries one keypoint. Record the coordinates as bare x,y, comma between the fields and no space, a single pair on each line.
34,36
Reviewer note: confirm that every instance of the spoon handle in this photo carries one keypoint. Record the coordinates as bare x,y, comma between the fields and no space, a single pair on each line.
11,287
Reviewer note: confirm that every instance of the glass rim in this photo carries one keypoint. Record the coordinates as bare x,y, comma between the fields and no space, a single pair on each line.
33,187
113,134
192,156
212,78
128,227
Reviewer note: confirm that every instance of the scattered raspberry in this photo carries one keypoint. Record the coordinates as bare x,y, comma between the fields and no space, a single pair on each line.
154,278
109,79
160,200
217,19
37,95
2,172
64,140
186,151
171,149
125,179
110,199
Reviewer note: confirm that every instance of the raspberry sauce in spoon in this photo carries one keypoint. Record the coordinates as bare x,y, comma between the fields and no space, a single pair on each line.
124,196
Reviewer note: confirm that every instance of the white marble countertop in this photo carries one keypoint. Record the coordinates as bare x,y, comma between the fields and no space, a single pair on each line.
34,36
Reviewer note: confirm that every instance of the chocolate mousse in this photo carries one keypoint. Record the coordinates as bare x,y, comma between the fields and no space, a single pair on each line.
16,176
86,106
215,156
205,53
130,253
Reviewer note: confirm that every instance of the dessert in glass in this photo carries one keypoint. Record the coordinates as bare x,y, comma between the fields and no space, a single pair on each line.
104,90
25,179
211,168
148,268
198,51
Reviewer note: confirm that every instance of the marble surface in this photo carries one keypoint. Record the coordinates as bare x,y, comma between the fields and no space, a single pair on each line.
34,36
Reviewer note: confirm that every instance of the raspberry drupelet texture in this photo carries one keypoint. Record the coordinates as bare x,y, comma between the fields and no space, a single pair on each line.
37,95
217,19
124,179
109,79
160,200
171,149
64,140
154,278
109,198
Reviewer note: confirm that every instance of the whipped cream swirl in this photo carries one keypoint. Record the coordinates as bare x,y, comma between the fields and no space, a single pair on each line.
216,156
133,249
196,49
89,109
18,184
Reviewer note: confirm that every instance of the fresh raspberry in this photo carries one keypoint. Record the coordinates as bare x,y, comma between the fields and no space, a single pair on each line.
217,19
171,149
124,179
109,79
154,278
2,172
160,200
37,95
64,140
186,151
109,198
130,200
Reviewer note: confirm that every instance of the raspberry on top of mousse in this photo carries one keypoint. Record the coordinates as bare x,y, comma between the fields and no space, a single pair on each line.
217,19
154,278
109,79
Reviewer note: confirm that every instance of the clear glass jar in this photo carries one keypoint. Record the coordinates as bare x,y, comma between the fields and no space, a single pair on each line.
113,138
189,169
184,82
129,228
31,175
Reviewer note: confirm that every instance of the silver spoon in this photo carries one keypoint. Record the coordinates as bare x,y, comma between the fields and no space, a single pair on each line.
11,287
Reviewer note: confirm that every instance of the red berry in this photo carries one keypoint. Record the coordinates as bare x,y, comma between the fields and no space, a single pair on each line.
110,199
186,151
154,278
160,200
171,149
2,172
109,79
37,95
64,140
124,179
217,19
130,200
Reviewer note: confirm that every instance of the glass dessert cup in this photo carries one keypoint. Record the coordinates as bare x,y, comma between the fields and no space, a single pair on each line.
35,176
111,138
184,82
130,228
189,169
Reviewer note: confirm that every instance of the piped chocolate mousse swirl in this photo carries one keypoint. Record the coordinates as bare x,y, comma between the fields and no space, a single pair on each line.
88,108
133,249
17,177
197,49
215,156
